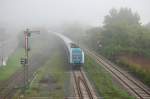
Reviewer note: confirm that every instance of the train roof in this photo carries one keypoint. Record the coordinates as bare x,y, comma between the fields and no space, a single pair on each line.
66,40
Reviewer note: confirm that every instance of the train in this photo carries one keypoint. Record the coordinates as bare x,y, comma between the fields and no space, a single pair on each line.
74,52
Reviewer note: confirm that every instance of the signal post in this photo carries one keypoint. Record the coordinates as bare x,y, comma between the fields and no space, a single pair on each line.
25,61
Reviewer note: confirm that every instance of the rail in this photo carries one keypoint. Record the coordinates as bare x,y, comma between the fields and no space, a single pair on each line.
134,87
80,80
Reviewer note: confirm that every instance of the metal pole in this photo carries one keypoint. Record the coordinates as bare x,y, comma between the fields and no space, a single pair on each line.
24,87
24,64
2,53
26,55
27,34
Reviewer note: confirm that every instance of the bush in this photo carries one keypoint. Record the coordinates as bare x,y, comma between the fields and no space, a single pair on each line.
136,70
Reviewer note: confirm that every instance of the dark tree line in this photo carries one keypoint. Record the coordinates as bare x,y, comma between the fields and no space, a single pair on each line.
121,32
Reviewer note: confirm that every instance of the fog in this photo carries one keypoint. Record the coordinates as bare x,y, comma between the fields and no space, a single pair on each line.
26,13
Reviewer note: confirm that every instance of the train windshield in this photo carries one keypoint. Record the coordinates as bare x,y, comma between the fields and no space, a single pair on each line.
76,55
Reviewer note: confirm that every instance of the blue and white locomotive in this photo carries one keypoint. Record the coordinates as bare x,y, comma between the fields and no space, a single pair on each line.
75,53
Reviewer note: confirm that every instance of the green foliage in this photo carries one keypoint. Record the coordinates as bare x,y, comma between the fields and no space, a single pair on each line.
12,66
143,74
122,32
124,15
92,37
119,28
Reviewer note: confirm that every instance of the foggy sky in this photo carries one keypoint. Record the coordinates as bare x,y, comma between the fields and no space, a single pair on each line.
49,12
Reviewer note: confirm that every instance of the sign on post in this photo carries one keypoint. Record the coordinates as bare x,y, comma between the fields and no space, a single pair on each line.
23,61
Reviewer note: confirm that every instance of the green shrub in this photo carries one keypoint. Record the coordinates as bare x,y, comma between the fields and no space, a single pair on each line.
141,73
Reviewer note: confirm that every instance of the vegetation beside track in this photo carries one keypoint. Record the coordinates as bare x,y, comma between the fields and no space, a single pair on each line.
136,70
50,78
13,64
103,81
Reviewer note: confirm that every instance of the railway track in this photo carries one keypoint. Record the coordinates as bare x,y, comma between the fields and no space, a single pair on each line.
133,85
82,88
12,85
9,87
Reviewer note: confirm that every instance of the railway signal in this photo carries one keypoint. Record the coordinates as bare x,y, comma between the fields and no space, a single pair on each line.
24,61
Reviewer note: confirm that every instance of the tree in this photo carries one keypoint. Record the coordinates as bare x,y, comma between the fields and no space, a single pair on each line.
124,15
93,36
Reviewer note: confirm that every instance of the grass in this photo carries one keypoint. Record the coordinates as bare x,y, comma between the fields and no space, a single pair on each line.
13,64
53,69
103,81
137,70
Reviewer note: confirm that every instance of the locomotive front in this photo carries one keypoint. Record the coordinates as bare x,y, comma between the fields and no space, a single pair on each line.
77,55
